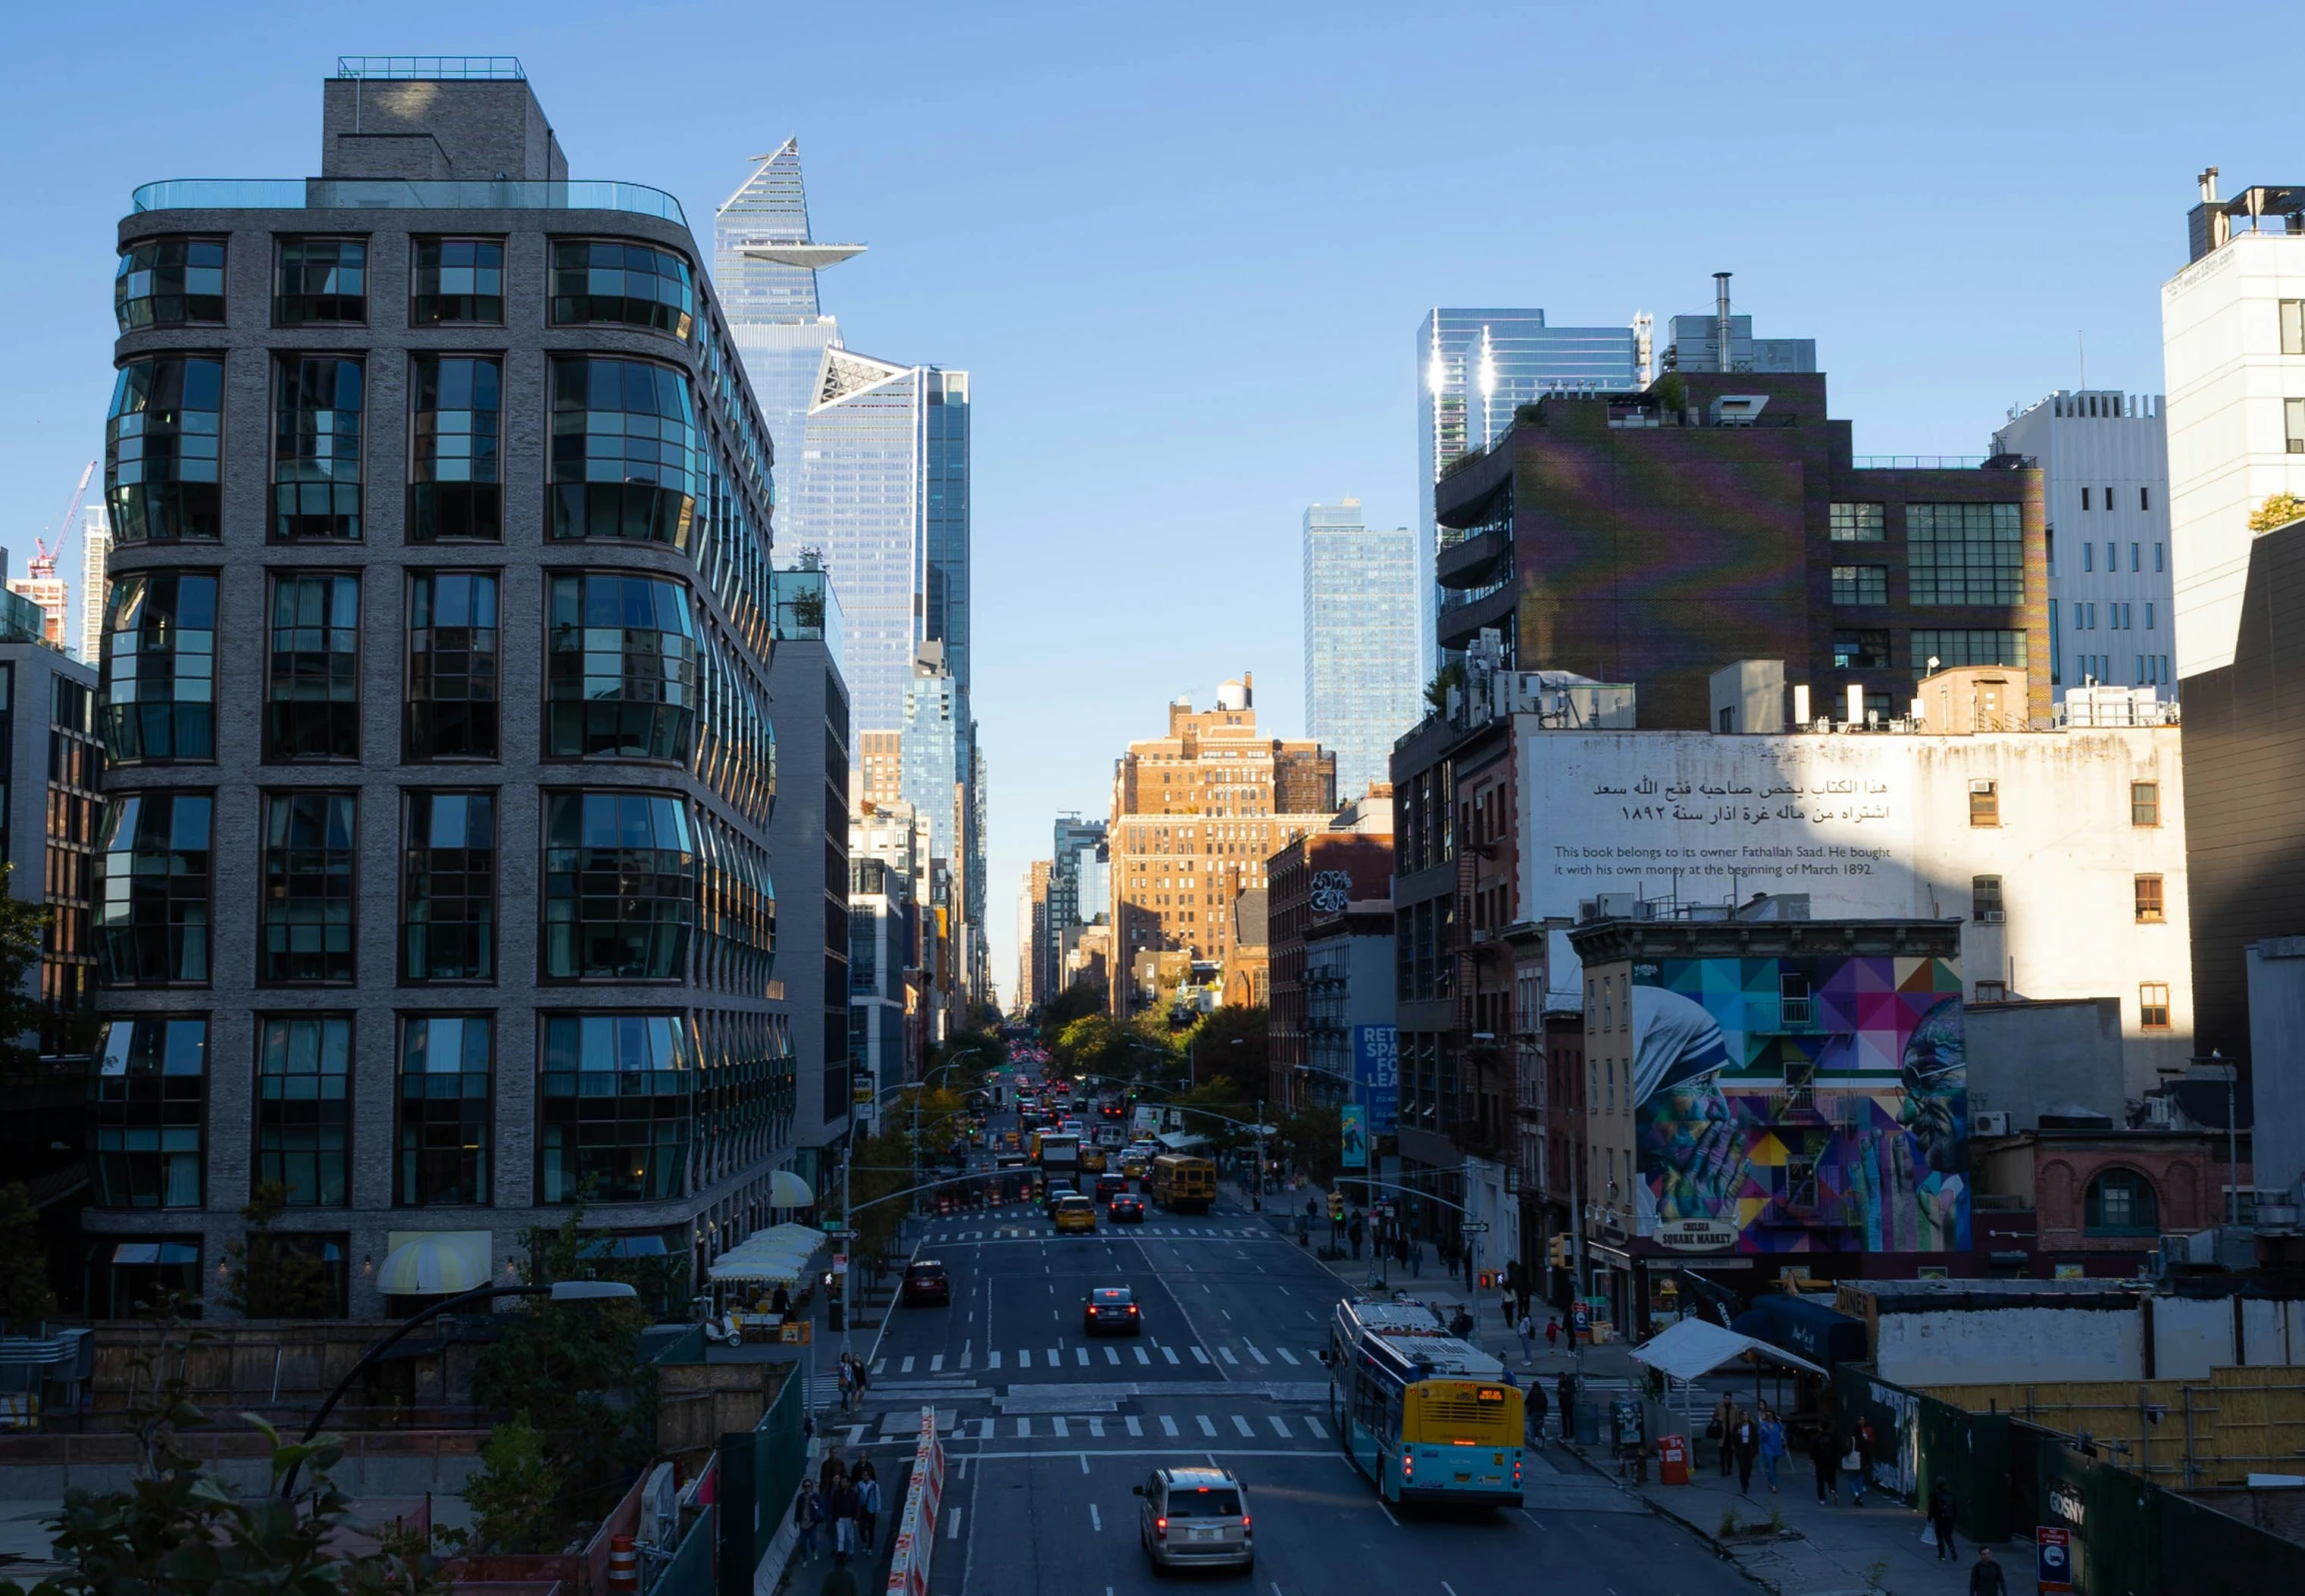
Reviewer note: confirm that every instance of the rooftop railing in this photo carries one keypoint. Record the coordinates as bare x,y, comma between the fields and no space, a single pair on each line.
399,194
432,67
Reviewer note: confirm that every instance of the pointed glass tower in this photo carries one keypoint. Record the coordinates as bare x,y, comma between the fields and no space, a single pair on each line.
764,264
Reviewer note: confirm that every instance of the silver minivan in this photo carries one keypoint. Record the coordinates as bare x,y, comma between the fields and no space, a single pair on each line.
1195,1518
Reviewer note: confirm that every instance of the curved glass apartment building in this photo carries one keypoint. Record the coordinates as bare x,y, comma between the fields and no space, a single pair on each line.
433,878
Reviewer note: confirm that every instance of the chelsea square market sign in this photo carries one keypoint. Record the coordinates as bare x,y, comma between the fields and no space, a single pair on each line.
1707,818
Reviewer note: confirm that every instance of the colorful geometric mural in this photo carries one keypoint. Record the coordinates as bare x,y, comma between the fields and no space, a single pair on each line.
1813,1103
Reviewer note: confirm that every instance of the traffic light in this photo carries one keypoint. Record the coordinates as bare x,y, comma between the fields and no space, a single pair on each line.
1489,1279
1558,1251
1336,1205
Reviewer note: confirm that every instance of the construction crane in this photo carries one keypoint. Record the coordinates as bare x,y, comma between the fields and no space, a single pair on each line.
64,526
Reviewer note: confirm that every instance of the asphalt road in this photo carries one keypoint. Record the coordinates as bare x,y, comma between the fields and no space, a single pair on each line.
1046,1429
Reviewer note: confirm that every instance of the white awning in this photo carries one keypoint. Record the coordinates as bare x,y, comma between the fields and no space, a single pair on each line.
779,1254
1695,1348
788,1191
433,1263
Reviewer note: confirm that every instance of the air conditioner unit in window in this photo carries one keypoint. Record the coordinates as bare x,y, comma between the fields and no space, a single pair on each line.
1993,1123
1990,916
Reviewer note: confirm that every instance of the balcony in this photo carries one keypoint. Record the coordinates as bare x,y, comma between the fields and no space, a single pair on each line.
1463,620
1473,561
400,194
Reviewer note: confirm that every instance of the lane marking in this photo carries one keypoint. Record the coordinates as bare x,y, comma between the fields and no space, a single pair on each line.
953,1525
1056,1356
1200,1355
936,1364
1062,1432
880,1367
1169,1353
1225,1352
1206,1428
1167,1425
1113,1355
1096,1427
1286,1356
1096,1520
1314,1426
906,1367
1241,1423
1280,1427
1252,1352
993,1359
1085,1469
1024,1429
1135,1429
1024,1357
1082,1353
1142,1356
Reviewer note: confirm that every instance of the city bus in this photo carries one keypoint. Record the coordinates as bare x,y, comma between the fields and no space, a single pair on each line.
1428,1417
1183,1182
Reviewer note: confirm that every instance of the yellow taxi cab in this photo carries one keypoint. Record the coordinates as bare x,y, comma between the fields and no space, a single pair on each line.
1091,1161
1132,1168
1076,1212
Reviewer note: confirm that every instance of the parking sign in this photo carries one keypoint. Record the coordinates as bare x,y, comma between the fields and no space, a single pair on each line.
2053,1558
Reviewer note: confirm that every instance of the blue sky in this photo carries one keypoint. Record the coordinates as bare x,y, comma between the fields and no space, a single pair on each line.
1184,250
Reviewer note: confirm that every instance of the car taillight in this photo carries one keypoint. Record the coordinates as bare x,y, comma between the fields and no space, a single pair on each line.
1245,1522
1131,1309
1160,1528
1407,1464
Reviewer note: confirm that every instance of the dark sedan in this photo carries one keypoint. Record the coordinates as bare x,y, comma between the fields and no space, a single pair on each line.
1125,1210
927,1281
1111,1307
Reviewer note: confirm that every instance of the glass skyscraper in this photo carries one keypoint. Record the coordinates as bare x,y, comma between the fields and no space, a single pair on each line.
1473,367
1361,682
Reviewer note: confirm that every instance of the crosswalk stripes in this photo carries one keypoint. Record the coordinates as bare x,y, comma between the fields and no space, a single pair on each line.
1208,1426
1024,1359
1113,1355
936,1364
1225,1353
1200,1355
1286,1356
1135,1429
906,1367
1248,1353
1169,1353
1241,1423
1059,1421
1314,1426
1280,1427
1095,1426
1252,1352
1082,1353
880,1365
1167,1425
991,1360
1142,1356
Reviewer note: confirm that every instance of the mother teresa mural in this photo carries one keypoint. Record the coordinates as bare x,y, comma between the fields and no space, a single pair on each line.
1815,1103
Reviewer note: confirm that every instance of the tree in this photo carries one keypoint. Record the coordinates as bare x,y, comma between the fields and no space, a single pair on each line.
24,1291
573,1370
880,1166
270,1276
1076,1001
1437,691
1234,1043
1672,391
985,1049
2278,510
515,1498
22,1014
1311,1138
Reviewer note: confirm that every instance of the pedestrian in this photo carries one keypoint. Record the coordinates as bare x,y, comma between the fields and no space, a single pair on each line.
1716,1430
831,1474
1853,1465
1567,1386
1357,1230
1942,1520
1821,1456
863,1377
846,1507
1551,1333
839,1580
1415,1256
781,1304
1533,1414
807,1513
1745,1441
1527,1334
1985,1578
1772,1445
869,1506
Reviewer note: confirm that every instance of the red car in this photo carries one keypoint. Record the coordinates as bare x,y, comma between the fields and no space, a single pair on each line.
1125,1210
927,1281
1111,1307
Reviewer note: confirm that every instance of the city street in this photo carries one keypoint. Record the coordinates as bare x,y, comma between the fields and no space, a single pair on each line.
1046,1429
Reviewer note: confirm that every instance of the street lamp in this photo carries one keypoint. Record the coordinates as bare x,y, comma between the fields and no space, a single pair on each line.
558,1292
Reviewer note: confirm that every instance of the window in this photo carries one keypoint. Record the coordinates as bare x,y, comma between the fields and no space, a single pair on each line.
2136,555
162,438
1992,992
1858,523
2148,614
598,280
448,887
309,839
1795,1003
317,403
151,1091
159,669
616,1107
2149,901
2153,1006
2293,420
169,282
2084,498
622,669
303,1107
1860,584
625,460
2156,557
1860,650
1959,645
320,281
2144,804
452,709
311,707
2293,327
457,481
620,886
152,920
2088,552
1984,803
1984,890
457,282
2121,1202
1966,554
447,1063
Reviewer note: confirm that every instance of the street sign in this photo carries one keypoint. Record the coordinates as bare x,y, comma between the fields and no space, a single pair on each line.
1473,1226
2053,1558
839,1263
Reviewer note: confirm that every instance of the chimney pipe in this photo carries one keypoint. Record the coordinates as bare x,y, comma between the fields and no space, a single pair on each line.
2208,182
1248,690
1721,319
